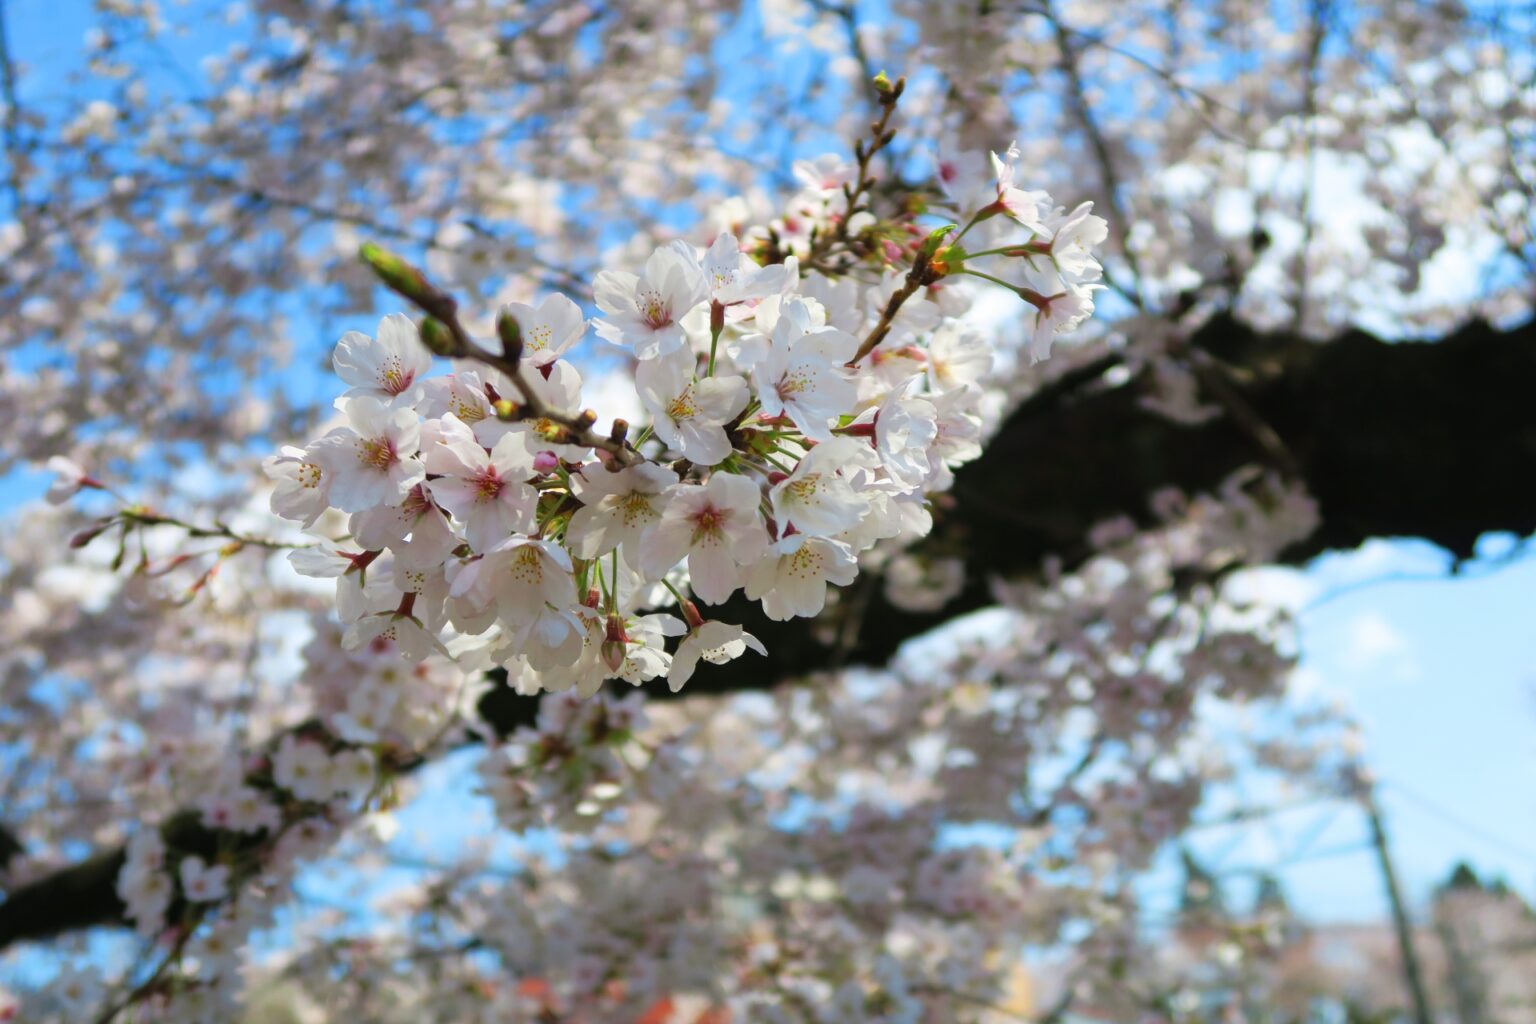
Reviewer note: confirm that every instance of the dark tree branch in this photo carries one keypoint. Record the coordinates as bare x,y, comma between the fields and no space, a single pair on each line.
1435,441
10,849
1410,439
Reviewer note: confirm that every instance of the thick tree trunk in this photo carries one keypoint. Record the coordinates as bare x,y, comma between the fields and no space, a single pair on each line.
1409,439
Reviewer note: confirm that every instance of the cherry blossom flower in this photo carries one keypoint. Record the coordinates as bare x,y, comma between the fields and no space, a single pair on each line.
201,883
240,808
690,413
818,498
303,490
715,642
77,988
548,331
1074,236
417,530
1055,311
646,312
1023,206
352,774
957,357
389,367
558,386
549,639
733,278
585,673
147,898
302,767
68,480
405,632
519,577
905,429
802,376
143,885
463,393
617,507
826,175
718,529
643,654
371,461
957,436
791,581
487,493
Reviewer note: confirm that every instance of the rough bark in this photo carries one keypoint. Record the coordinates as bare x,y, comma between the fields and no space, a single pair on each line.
1435,440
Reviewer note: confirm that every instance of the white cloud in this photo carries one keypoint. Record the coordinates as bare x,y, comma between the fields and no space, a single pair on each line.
1373,643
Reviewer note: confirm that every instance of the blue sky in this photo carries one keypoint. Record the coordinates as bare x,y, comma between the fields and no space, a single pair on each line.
1440,671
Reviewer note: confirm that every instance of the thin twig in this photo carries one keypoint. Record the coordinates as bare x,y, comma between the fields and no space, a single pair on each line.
150,984
1216,376
1318,12
456,343
921,274
847,13
1079,99
825,245
144,517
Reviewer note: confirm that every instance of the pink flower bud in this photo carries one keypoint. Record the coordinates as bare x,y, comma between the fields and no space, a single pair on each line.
615,644
89,534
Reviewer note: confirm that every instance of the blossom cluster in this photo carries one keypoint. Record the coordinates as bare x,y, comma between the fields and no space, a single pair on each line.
796,856
801,400
794,420
679,882
371,711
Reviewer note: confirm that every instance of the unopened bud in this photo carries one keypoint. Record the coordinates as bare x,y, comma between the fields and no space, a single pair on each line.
545,462
397,275
935,241
883,84
511,334
585,420
551,431
615,644
619,432
89,534
437,337
948,260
